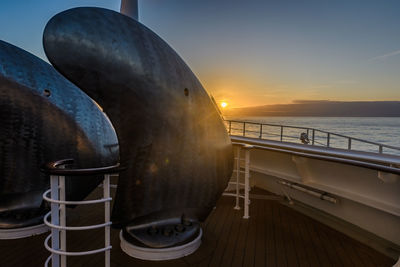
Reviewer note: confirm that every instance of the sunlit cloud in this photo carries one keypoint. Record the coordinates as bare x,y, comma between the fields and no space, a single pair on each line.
381,57
310,101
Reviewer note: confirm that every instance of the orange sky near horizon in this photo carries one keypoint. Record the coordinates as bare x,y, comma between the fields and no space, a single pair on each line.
239,91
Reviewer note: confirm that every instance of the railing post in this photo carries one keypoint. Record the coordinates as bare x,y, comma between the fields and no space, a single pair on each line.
328,137
107,241
244,128
55,219
349,144
261,130
237,207
313,136
230,127
247,181
281,133
380,149
63,215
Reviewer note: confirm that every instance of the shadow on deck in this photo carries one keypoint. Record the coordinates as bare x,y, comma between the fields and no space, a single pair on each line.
275,235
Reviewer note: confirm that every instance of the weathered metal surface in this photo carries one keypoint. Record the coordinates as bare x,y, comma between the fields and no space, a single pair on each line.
44,117
172,139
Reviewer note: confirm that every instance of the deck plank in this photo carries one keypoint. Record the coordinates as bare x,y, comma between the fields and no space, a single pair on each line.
307,242
223,235
288,236
238,255
281,259
320,251
328,248
233,238
342,255
270,254
218,230
375,257
296,236
250,246
274,235
259,259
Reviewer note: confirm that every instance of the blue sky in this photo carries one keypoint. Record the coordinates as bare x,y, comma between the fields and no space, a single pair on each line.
257,52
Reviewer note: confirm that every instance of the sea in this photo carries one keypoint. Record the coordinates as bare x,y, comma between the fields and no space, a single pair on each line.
382,130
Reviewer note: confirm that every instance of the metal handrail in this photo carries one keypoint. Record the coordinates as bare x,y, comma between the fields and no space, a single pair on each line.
53,168
328,135
58,204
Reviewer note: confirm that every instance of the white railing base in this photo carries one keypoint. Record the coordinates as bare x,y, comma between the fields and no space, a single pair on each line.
160,254
23,232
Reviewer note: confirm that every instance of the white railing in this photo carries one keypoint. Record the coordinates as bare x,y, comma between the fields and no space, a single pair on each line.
236,175
305,135
58,247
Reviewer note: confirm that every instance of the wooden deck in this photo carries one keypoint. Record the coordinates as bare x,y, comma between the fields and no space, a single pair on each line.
275,235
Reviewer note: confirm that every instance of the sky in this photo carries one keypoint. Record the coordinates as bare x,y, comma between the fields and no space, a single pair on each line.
257,52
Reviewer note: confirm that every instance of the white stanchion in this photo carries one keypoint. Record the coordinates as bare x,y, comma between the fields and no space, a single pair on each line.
55,220
247,149
58,225
238,185
237,207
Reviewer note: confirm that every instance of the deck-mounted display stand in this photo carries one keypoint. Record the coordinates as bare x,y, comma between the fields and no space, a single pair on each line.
159,254
236,174
58,214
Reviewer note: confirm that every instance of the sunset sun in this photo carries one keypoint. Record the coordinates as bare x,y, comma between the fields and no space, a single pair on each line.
224,104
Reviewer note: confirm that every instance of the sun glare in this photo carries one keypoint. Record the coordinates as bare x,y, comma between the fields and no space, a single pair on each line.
224,104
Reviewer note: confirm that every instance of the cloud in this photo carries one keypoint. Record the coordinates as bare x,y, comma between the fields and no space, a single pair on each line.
391,54
311,101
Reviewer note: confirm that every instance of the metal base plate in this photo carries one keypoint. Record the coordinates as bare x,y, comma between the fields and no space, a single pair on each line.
160,254
23,232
